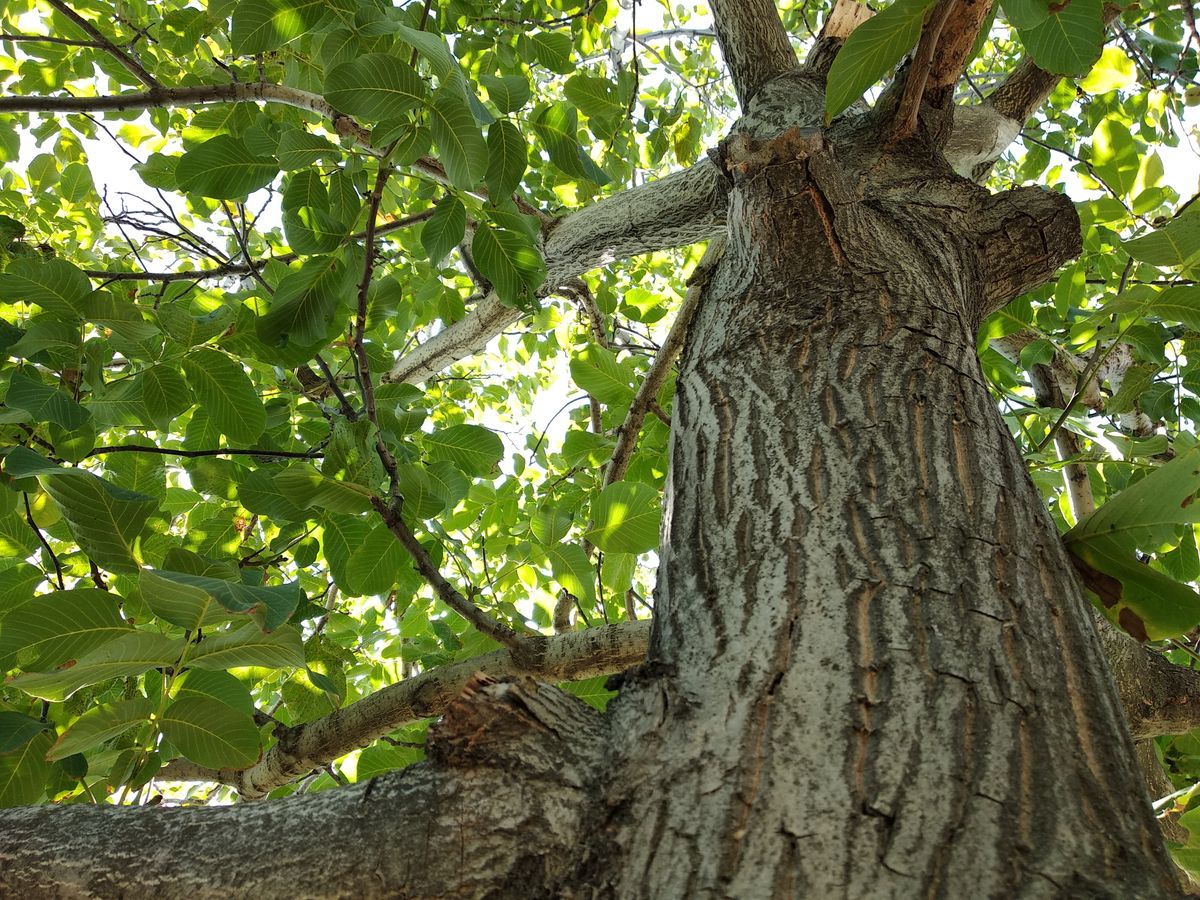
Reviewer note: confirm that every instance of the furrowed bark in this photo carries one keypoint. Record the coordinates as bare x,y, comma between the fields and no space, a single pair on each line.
514,761
573,656
674,211
872,672
754,44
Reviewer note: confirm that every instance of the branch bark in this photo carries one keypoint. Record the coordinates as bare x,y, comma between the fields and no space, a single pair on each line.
627,433
567,657
680,209
517,762
754,43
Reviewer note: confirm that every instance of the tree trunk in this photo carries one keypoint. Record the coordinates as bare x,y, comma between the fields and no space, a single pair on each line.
872,672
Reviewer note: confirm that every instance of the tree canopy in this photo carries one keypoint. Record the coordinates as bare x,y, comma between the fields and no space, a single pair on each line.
366,385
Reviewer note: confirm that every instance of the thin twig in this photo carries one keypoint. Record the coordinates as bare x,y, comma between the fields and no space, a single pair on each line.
360,321
523,647
627,433
42,539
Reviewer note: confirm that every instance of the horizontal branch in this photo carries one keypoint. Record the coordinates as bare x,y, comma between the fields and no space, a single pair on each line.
681,209
525,755
565,657
196,454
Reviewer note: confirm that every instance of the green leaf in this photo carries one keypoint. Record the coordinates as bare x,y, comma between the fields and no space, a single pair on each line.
164,392
596,370
573,570
508,92
593,96
872,51
423,496
60,626
510,261
1026,13
55,285
16,730
224,168
217,685
263,25
44,403
306,487
1175,244
228,396
444,231
460,145
180,604
375,87
76,182
1070,40
557,124
299,149
24,771
626,518
507,159
99,724
211,734
473,449
106,520
1145,513
1178,304
248,646
553,50
1143,601
434,49
305,303
376,563
130,654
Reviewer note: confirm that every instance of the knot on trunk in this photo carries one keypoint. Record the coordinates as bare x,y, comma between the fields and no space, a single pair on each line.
519,723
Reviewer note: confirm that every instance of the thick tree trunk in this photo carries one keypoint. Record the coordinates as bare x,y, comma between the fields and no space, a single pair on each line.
872,674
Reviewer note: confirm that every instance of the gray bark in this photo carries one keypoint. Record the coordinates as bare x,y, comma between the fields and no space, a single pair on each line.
872,673
514,763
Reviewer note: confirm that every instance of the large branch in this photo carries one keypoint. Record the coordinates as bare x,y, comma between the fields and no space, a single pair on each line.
193,95
503,801
680,209
753,42
566,657
983,132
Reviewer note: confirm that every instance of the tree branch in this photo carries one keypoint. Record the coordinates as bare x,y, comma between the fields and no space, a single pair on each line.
754,43
526,647
681,209
196,454
523,754
567,657
135,68
627,433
